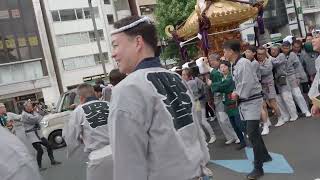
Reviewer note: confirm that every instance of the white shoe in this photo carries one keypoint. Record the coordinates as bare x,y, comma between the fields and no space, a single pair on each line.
237,141
265,130
212,139
212,118
230,141
308,114
285,119
280,123
269,123
293,119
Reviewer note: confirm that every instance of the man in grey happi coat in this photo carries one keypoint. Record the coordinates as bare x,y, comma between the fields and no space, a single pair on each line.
293,63
285,100
154,130
31,118
314,92
16,161
88,125
248,92
268,86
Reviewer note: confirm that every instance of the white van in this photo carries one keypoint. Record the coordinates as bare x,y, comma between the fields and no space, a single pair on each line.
52,124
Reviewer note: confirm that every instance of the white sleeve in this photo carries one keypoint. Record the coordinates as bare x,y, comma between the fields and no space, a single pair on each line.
72,132
129,143
13,116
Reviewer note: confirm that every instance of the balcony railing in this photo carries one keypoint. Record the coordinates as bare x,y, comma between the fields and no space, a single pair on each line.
309,4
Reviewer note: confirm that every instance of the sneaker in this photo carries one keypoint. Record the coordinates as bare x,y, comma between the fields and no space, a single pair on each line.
308,114
55,163
229,141
293,119
212,118
265,130
255,174
285,119
237,141
269,122
212,139
279,123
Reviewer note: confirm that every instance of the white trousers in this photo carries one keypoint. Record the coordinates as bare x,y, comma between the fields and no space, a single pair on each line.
287,105
204,121
301,102
224,122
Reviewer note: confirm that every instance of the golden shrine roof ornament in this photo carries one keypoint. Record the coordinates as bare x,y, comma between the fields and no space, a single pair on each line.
221,13
214,16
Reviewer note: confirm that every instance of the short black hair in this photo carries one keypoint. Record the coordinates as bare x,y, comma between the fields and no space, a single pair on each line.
234,45
188,72
286,44
261,48
252,48
297,42
116,76
145,29
97,88
214,56
99,81
85,90
227,63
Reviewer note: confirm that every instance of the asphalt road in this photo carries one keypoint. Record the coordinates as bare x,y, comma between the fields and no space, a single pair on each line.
297,141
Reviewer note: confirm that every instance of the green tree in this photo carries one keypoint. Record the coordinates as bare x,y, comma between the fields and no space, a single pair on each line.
173,12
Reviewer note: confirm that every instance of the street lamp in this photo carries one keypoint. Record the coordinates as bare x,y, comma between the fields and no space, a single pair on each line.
97,35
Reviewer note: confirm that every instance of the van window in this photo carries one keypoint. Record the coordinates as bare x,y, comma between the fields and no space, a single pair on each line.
70,99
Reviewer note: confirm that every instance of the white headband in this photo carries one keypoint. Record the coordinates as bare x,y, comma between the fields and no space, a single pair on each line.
129,26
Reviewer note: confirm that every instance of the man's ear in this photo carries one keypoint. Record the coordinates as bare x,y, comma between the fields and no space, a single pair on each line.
139,42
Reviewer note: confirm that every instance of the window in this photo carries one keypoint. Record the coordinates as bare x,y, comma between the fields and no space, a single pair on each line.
110,18
106,1
55,16
93,37
85,37
79,13
78,38
73,39
101,34
60,40
87,13
97,58
78,62
67,15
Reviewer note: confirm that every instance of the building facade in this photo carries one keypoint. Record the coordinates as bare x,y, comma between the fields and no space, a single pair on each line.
74,40
26,68
311,13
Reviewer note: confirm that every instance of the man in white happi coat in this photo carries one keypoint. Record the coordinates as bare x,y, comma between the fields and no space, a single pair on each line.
154,127
88,125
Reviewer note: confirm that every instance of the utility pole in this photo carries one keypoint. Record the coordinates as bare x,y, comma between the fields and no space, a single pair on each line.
97,36
297,14
51,46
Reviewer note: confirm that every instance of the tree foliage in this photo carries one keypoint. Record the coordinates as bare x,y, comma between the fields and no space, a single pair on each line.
173,12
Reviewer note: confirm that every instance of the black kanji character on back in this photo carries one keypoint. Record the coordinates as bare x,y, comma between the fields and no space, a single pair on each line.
96,113
177,101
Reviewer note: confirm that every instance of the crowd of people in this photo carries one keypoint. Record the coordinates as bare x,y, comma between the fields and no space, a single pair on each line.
152,119
285,71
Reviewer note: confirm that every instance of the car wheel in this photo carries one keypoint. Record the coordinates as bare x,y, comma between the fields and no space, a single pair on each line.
56,140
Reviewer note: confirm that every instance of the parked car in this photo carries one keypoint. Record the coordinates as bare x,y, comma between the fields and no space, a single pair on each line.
53,123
